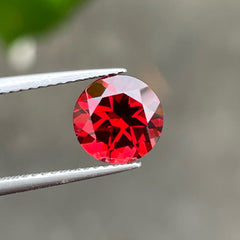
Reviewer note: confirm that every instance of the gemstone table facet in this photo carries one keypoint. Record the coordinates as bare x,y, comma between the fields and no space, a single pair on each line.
118,119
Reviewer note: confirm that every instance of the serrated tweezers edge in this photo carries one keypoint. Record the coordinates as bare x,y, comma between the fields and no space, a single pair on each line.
29,182
27,82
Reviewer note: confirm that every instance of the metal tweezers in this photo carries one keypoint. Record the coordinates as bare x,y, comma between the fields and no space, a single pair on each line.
29,182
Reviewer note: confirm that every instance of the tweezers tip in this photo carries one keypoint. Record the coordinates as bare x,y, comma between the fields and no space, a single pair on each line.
123,167
135,165
122,70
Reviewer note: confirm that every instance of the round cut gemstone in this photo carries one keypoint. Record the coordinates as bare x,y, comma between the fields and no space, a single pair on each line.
118,119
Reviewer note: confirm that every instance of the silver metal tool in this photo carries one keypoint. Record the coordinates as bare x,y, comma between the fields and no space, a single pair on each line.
28,182
26,82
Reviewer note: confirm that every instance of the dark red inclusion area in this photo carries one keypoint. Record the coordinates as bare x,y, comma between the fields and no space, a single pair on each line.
118,115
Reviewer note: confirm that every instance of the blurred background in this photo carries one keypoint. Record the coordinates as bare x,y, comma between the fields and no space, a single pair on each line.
188,51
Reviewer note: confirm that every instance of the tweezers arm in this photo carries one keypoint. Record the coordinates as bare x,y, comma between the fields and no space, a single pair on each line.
34,181
26,82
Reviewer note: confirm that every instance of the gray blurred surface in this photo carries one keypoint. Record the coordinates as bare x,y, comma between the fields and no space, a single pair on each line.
188,187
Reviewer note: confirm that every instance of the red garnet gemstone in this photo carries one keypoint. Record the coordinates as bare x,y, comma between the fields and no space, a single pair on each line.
118,119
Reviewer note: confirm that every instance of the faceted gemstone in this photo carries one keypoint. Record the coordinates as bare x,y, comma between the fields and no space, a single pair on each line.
118,119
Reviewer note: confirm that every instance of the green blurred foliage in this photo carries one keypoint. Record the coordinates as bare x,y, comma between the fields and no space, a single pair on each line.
32,17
